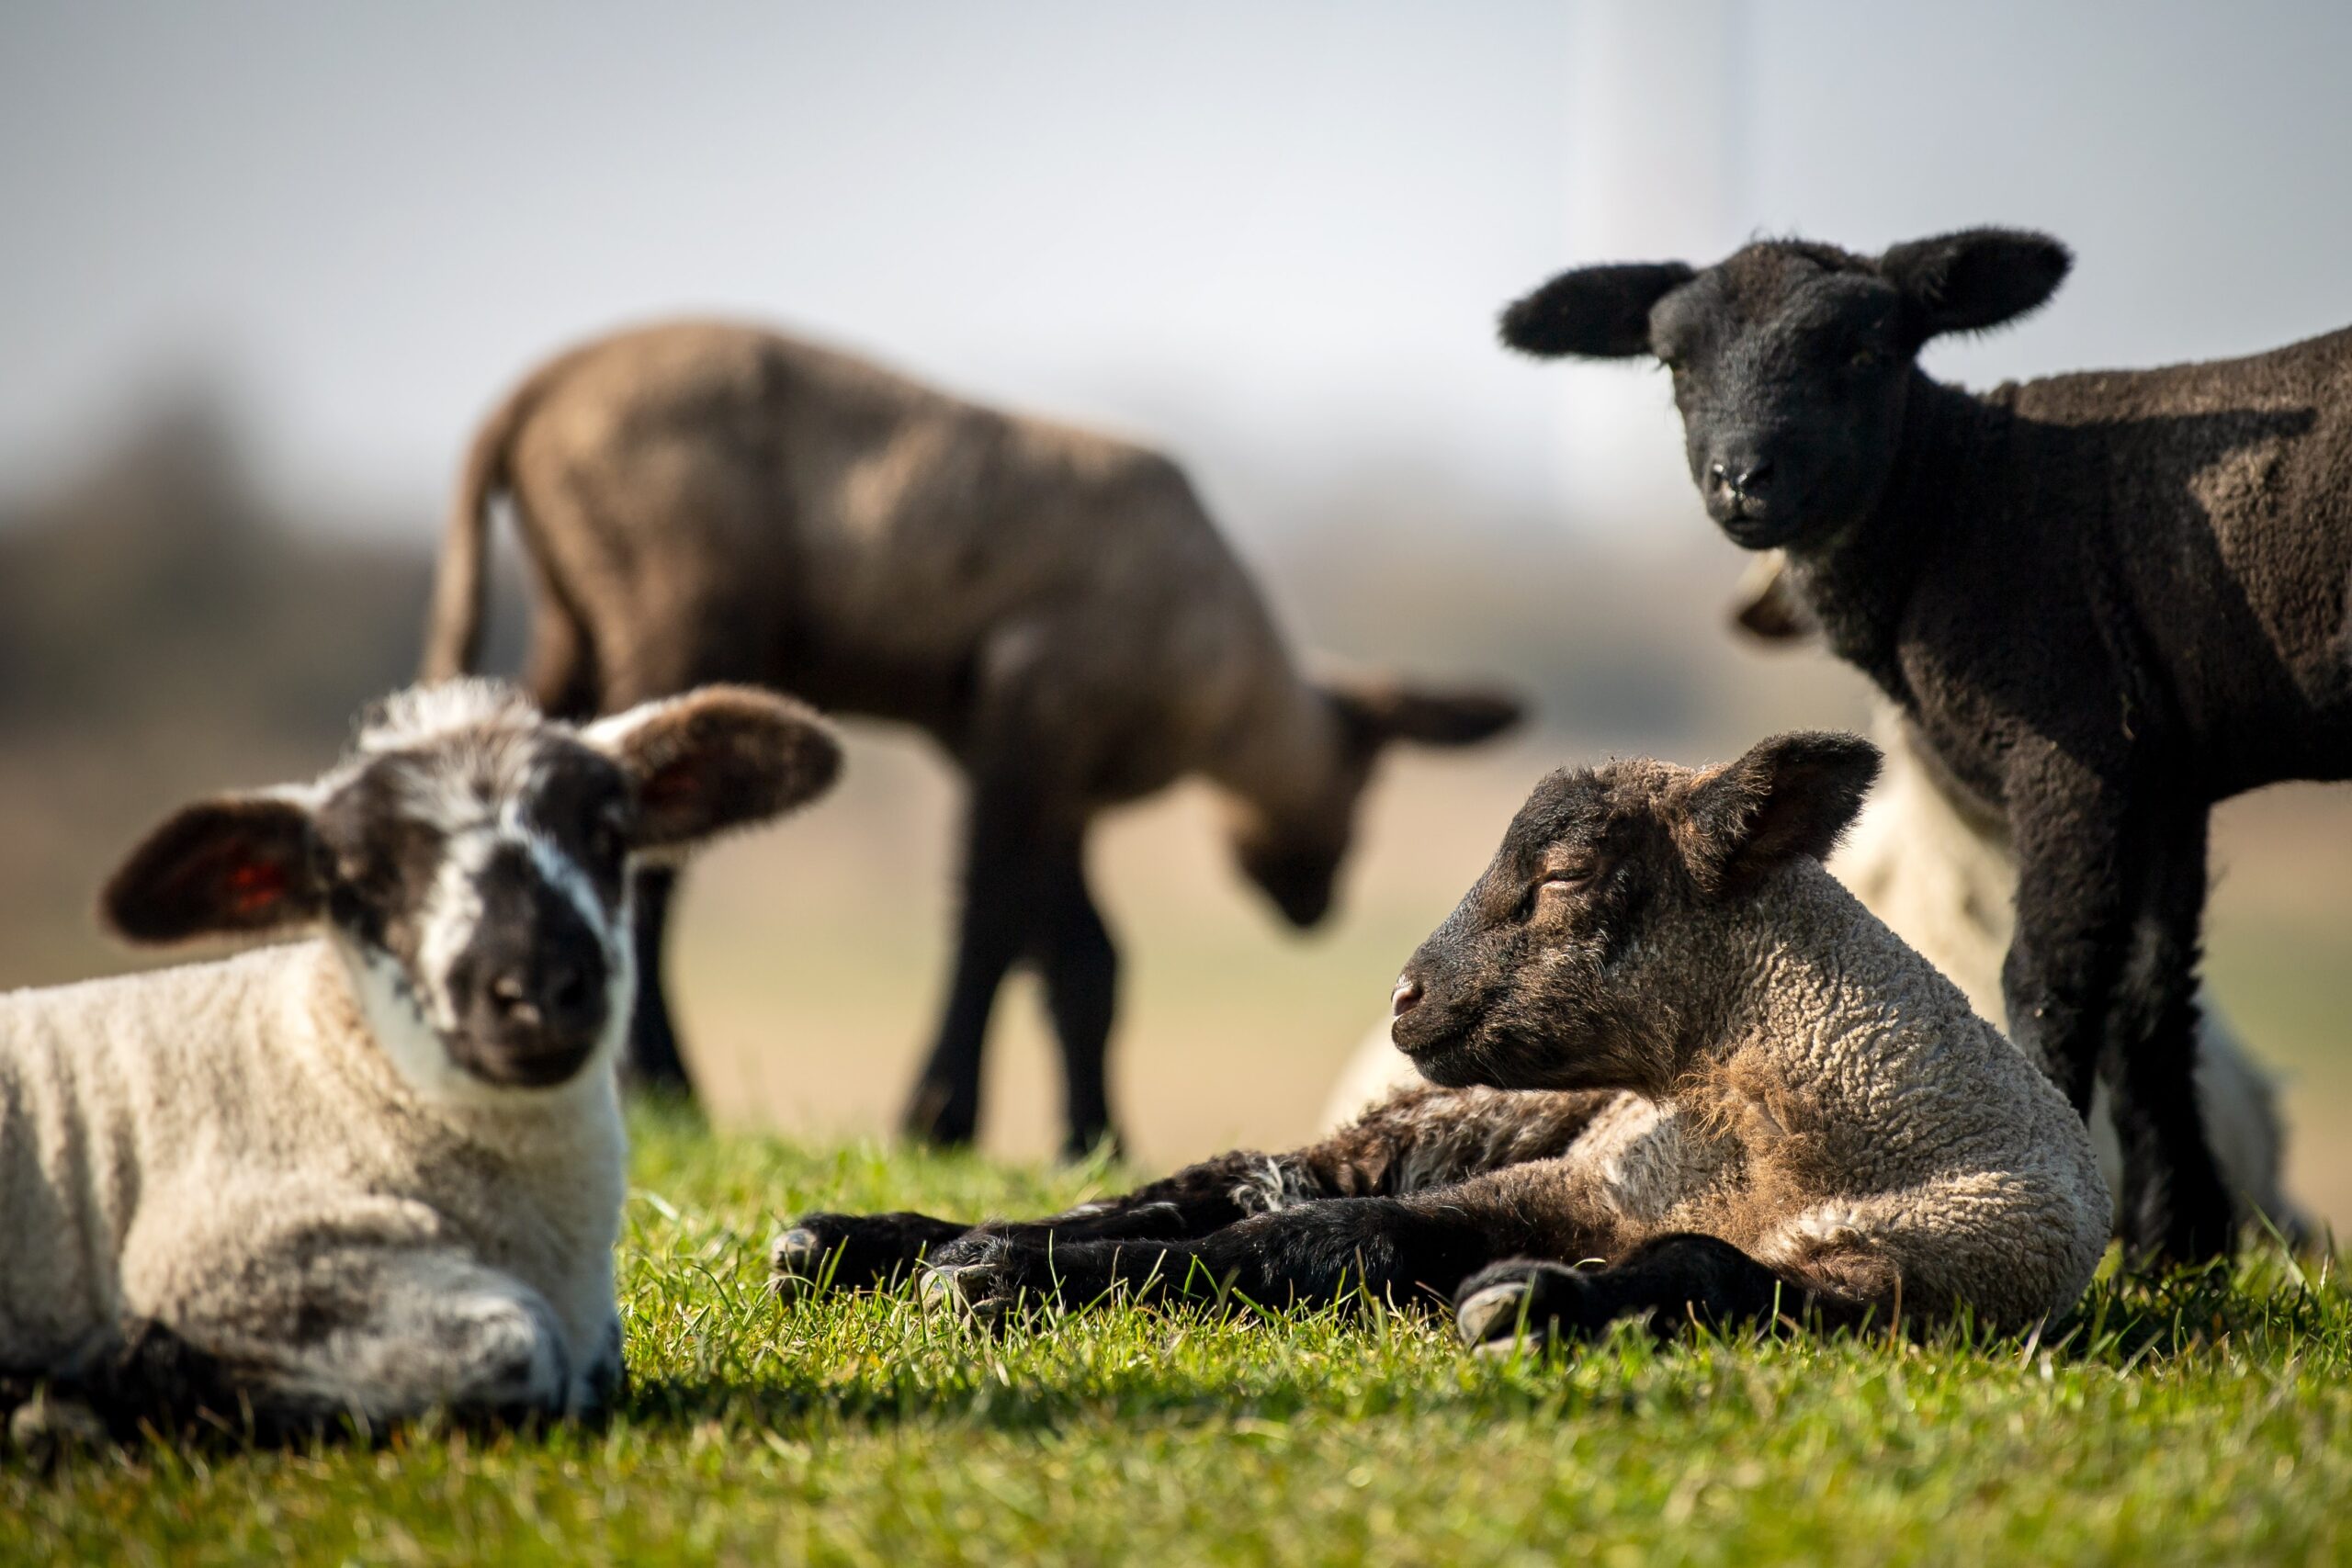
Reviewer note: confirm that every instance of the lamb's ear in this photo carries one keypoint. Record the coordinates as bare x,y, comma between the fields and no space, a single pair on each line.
1975,279
1792,795
719,757
1378,711
1600,313
235,867
1765,606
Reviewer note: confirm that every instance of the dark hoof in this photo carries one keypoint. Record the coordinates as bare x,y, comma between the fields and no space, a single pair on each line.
993,1277
1499,1312
853,1252
48,1427
799,1264
1524,1303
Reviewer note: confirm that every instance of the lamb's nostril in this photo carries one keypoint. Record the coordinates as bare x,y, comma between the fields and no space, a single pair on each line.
1405,997
1752,480
509,995
567,988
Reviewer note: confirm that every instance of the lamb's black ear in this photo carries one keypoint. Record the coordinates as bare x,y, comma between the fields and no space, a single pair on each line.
235,867
1378,711
719,757
1600,313
1792,795
1975,279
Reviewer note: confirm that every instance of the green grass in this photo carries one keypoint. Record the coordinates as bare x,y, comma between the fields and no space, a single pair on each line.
2197,1418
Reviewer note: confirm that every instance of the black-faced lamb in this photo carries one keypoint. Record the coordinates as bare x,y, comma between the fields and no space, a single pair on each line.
1938,867
1755,1101
2107,601
380,1169
704,502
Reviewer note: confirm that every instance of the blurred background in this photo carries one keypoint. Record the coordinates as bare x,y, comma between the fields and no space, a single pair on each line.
267,263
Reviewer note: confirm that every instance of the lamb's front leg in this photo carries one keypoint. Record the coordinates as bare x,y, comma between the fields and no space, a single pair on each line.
1668,1283
361,1337
1418,1138
2102,975
1412,1249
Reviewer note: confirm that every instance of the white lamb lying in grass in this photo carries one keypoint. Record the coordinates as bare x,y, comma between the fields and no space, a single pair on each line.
380,1170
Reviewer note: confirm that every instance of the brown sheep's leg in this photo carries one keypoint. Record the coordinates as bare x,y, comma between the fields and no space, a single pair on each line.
991,934
651,1060
1668,1283
1080,969
2174,1200
660,648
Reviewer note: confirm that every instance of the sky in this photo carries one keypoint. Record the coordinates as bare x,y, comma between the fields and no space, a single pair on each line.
1272,237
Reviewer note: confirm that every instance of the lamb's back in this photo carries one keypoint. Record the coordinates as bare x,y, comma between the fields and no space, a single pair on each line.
117,1096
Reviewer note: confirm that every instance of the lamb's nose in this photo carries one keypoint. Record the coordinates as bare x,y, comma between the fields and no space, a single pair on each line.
509,995
1405,997
1742,476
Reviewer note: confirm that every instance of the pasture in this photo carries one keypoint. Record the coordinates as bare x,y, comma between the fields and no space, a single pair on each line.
2200,1418
2197,1419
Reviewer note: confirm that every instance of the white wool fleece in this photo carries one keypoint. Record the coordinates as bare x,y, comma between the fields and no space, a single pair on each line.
223,1151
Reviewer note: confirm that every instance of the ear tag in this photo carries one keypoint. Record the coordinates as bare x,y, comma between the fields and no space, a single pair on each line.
257,885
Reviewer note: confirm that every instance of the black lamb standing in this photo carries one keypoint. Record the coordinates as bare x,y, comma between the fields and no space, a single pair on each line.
2108,601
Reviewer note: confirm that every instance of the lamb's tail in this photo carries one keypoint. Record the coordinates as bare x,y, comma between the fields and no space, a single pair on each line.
453,630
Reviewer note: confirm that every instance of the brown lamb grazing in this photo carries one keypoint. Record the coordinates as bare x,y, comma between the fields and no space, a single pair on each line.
1749,1098
703,502
2106,602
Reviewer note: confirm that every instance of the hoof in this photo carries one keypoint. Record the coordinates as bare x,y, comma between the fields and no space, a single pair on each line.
1492,1315
970,1289
48,1425
797,1263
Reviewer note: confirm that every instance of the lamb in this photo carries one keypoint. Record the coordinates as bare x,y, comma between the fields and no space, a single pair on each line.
1939,870
708,502
379,1170
1940,873
1737,1090
2106,602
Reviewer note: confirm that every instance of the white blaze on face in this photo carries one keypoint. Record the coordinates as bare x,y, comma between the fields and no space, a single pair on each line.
413,1013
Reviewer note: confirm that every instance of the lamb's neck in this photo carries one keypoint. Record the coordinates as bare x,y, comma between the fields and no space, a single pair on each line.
337,1036
1811,977
1281,745
1947,472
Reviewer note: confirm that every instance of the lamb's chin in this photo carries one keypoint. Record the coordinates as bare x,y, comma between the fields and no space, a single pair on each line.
1449,1065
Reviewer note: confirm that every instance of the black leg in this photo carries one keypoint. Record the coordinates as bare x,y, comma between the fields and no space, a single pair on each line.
991,934
2071,926
1668,1284
1301,1257
1080,969
2174,1203
855,1252
1418,1140
1403,1250
652,1060
863,1251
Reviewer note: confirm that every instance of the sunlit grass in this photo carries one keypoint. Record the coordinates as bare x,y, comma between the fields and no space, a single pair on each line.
2198,1417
